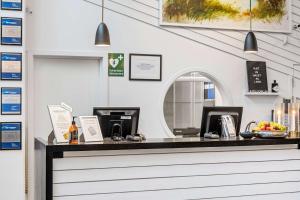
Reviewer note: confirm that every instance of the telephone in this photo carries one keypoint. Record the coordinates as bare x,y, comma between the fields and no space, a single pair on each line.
228,126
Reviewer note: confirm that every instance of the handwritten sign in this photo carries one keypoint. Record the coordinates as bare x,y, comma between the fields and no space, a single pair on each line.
257,76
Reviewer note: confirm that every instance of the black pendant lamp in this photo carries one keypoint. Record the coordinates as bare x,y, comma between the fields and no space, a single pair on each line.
102,35
250,41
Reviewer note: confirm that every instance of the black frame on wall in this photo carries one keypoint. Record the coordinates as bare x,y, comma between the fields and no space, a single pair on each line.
141,79
13,44
21,67
20,113
21,144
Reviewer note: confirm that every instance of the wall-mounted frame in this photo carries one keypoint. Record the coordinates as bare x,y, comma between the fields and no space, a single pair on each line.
15,5
11,66
11,31
10,135
145,67
229,14
11,101
257,76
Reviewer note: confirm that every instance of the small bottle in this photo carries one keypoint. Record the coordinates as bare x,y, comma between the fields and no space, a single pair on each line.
73,130
275,87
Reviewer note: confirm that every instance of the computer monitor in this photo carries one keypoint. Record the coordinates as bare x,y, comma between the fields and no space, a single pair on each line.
126,120
211,119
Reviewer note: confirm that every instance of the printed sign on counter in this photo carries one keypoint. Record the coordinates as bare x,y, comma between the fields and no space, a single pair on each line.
61,120
91,128
11,99
11,31
11,66
11,135
11,5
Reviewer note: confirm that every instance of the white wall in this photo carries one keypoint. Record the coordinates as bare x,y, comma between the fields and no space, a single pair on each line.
79,89
70,25
134,29
12,173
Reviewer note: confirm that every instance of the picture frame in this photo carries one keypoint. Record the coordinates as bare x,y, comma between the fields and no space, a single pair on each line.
91,128
61,119
11,66
145,67
257,76
14,5
11,108
17,38
9,141
240,22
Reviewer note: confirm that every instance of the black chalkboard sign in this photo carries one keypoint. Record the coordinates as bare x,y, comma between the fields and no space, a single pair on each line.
257,76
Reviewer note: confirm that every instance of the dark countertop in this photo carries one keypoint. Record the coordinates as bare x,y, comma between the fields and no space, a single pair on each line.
165,143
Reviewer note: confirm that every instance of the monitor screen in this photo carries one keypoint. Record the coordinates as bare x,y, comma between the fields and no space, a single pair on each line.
124,120
212,122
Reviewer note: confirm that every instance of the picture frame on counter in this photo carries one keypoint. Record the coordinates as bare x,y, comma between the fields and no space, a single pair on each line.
15,5
145,67
61,119
11,66
11,101
91,128
11,135
11,31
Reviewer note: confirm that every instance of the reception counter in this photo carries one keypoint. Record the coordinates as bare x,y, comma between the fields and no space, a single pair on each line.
177,169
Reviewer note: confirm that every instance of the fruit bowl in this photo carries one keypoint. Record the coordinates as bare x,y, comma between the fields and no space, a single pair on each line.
270,134
270,130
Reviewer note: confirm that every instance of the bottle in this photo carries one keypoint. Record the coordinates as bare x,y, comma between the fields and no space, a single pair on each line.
73,131
275,87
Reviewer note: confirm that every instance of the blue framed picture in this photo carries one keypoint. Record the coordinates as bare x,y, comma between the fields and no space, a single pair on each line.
11,5
11,31
11,135
11,66
11,101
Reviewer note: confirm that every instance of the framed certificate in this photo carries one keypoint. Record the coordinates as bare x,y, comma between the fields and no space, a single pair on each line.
11,135
91,128
11,101
61,120
11,5
11,66
11,31
145,67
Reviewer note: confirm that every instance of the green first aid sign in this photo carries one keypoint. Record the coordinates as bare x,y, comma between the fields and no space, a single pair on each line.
115,64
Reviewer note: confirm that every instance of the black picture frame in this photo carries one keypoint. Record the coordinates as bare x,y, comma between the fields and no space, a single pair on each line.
12,44
21,143
141,79
17,114
12,9
257,76
21,67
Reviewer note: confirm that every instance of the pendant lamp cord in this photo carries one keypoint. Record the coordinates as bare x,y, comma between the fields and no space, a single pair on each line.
102,10
293,84
251,15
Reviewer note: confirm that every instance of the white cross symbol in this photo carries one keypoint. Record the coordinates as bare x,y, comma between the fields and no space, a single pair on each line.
120,57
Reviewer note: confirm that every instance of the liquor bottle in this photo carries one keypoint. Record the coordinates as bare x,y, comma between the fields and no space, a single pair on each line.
73,130
275,87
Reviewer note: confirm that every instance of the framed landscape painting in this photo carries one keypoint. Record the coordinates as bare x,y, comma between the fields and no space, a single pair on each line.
267,15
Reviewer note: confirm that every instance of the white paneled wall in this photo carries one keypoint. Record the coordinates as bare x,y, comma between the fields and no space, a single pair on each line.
180,174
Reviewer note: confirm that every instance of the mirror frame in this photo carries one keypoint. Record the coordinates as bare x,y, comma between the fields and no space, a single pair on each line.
225,93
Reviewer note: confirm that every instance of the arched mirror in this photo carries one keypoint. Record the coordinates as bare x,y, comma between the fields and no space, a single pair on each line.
184,102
